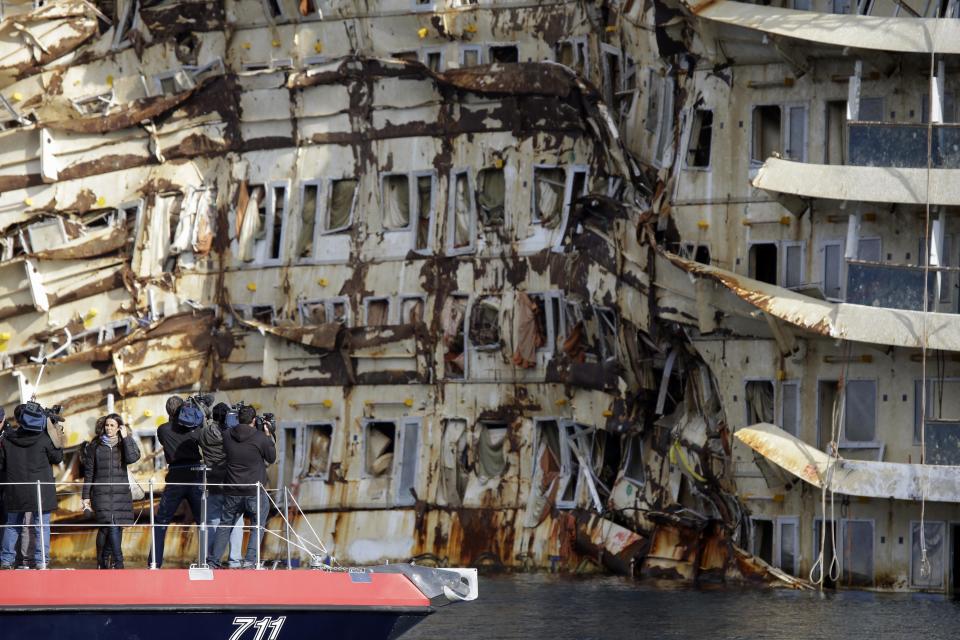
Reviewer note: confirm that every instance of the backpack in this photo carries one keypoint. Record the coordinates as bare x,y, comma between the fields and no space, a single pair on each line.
190,416
31,416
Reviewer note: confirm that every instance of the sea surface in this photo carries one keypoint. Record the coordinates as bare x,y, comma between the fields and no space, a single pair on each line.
595,608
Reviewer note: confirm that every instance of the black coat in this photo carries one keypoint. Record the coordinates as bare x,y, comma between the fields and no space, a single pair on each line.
26,456
248,453
113,502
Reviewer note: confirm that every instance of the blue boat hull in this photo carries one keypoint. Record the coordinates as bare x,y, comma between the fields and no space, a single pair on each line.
169,624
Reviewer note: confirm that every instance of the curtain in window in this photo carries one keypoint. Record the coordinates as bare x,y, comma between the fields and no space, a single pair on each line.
396,202
529,336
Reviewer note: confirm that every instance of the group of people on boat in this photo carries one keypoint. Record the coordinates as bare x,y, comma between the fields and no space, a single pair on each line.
221,450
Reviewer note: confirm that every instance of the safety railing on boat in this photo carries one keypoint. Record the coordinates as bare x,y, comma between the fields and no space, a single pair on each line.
315,549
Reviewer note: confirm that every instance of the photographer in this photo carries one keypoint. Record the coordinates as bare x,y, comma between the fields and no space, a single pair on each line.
25,456
178,436
249,450
211,446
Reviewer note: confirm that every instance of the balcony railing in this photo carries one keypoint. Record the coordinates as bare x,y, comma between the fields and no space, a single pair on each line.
888,144
897,286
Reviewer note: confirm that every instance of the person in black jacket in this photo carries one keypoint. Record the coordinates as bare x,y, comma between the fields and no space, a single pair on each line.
26,454
106,487
249,451
211,446
182,454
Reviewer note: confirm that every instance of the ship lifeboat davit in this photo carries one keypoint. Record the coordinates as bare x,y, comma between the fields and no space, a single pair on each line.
172,604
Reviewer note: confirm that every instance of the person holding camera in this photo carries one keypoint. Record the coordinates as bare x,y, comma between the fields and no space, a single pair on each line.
26,455
179,438
106,486
224,418
249,449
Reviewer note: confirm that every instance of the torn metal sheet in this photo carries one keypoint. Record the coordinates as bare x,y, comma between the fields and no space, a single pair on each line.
900,481
875,325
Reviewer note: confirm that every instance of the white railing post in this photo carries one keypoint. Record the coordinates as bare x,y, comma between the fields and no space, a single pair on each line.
256,531
153,539
286,520
39,514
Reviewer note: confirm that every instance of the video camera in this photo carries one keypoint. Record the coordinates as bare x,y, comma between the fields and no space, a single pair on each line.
32,416
261,421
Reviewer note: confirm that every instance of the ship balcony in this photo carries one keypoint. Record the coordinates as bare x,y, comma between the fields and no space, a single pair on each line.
817,28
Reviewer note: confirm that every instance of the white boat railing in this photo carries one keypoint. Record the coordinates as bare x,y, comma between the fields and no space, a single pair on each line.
315,549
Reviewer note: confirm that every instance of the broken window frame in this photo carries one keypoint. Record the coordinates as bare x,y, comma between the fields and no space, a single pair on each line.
664,156
482,431
180,76
581,54
13,113
488,48
634,446
609,91
329,309
56,222
471,246
607,331
474,302
654,101
565,476
249,311
302,467
465,327
390,310
262,247
776,542
746,397
365,425
696,117
944,556
555,327
413,204
102,102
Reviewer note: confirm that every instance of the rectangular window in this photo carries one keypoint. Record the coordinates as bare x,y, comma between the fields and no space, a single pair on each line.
503,53
788,536
554,446
469,56
317,440
860,413
310,212
316,312
491,197
654,95
549,318
943,420
836,132
607,332
376,312
762,541
665,125
871,109
701,137
424,211
485,323
452,321
396,202
934,533
462,219
340,206
549,185
760,400
573,53
763,262
491,454
857,544
767,136
432,58
833,271
612,75
793,271
411,309
409,456
94,105
869,250
790,407
796,133
379,442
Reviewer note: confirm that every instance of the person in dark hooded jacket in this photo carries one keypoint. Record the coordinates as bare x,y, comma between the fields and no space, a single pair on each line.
106,487
26,455
211,446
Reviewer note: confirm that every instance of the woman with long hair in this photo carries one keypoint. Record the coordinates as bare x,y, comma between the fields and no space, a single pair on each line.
106,489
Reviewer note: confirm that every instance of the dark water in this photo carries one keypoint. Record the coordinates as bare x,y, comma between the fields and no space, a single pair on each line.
556,608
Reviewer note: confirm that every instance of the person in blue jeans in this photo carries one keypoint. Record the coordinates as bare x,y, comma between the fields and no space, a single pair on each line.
178,437
26,454
248,452
211,446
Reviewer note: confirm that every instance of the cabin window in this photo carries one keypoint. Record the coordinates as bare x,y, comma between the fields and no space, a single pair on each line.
788,538
469,56
380,440
934,534
654,96
452,320
47,234
549,318
665,126
796,133
316,312
503,53
317,440
343,197
491,445
871,109
573,53
549,184
762,541
273,8
766,132
424,211
409,456
763,262
607,332
943,420
612,75
793,275
376,312
463,216
485,324
411,309
94,105
701,138
423,5
491,197
836,132
310,199
759,398
860,420
633,467
454,472
396,202
833,271
790,407
309,7
432,58
168,207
